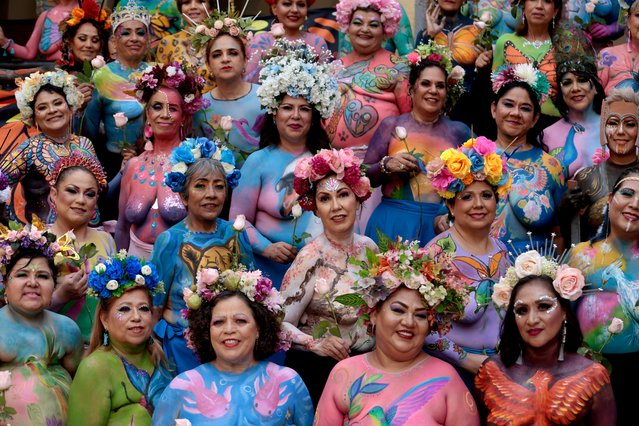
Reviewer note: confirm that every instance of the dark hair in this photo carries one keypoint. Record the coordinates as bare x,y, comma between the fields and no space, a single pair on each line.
315,140
48,88
202,167
511,344
68,59
416,71
209,46
535,135
29,253
450,202
200,327
604,229
522,27
560,103
63,175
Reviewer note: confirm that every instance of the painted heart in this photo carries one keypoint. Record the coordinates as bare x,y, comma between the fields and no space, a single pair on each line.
359,119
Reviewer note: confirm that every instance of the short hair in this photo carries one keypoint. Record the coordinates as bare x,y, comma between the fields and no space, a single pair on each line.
623,94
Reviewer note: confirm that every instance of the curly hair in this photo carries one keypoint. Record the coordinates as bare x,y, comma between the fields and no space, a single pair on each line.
68,61
199,331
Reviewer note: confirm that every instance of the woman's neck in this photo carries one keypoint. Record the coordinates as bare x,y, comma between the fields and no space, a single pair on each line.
423,117
292,147
292,33
624,241
344,239
537,33
507,143
382,361
61,227
133,64
229,90
195,225
582,116
544,357
623,159
61,136
476,241
32,318
235,368
163,145
136,355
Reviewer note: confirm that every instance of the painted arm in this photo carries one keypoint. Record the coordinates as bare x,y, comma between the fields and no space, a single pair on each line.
98,411
460,407
163,54
30,50
377,149
303,413
498,53
168,407
295,284
330,409
164,267
403,99
18,163
604,61
604,410
73,336
403,40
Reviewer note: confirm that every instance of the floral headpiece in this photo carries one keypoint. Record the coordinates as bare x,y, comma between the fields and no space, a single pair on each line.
89,163
176,76
475,161
132,11
89,11
441,56
405,263
217,23
295,69
192,149
29,87
390,11
525,73
343,163
121,272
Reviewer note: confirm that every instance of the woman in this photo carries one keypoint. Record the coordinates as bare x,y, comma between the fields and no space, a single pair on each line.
478,259
114,88
594,183
609,266
43,349
201,240
234,327
170,94
373,82
402,143
324,268
538,377
177,47
292,131
528,215
397,383
128,363
618,65
47,101
290,15
225,55
532,44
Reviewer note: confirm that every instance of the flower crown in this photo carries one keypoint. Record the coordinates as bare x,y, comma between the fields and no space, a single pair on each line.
343,163
441,56
29,87
192,149
390,11
89,11
132,11
526,73
405,263
217,23
210,282
119,273
176,76
475,161
295,69
89,163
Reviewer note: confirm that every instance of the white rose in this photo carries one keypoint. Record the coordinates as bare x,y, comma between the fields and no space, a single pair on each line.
480,25
171,71
501,294
100,268
457,73
97,62
5,380
182,422
200,29
226,123
400,132
322,287
112,285
146,270
180,167
196,153
240,223
590,7
528,263
296,211
139,279
486,17
616,326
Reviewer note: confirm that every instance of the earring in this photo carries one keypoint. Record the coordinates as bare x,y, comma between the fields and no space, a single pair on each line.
553,24
150,341
563,342
520,359
105,338
148,131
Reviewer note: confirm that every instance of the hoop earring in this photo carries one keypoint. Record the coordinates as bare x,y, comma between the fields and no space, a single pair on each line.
563,342
105,338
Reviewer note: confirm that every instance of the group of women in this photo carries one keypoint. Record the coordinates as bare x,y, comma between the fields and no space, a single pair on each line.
435,300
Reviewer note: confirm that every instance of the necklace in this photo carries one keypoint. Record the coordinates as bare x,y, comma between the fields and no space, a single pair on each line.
60,140
536,43
128,69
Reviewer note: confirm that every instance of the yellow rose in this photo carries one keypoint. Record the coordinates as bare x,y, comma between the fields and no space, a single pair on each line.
447,154
458,164
469,143
468,179
446,194
493,168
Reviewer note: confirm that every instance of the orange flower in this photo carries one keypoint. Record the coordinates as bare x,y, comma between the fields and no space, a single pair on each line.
468,179
384,266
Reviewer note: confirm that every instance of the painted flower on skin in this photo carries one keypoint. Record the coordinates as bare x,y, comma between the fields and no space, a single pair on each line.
532,211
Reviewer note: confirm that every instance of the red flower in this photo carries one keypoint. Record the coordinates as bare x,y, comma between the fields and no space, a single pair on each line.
434,57
320,166
301,186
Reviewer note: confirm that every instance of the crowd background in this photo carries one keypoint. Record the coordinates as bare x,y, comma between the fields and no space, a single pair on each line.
320,214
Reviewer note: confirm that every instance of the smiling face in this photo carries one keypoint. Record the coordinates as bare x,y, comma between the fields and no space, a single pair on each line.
29,286
450,7
52,113
474,208
578,92
205,196
293,119
429,93
514,114
366,31
194,9
290,13
226,60
633,23
86,44
621,127
131,41
234,333
401,325
336,207
539,12
623,211
164,113
129,319
75,197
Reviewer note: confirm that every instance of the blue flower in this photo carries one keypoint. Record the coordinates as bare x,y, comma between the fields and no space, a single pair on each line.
227,157
476,161
456,186
115,271
133,267
182,154
207,148
234,178
175,181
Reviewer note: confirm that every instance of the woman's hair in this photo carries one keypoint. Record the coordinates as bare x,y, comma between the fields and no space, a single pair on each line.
200,327
623,94
315,140
535,135
29,253
63,175
209,46
416,71
560,102
69,34
511,344
97,331
48,88
202,167
604,229
522,27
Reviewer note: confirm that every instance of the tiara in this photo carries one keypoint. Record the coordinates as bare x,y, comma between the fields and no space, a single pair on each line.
30,86
343,163
89,163
192,149
132,11
526,73
389,10
88,11
219,22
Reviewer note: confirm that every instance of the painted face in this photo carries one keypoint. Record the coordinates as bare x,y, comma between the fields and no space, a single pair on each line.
538,315
29,286
233,334
52,113
429,93
578,92
401,325
336,206
75,197
226,60
366,31
131,41
293,119
164,113
539,12
129,319
290,13
194,9
624,208
206,196
86,44
621,127
633,24
450,7
474,207
514,113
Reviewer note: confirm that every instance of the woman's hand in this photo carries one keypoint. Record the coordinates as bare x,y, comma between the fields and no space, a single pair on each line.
280,252
332,346
70,287
403,162
484,59
434,24
127,154
472,362
440,223
87,91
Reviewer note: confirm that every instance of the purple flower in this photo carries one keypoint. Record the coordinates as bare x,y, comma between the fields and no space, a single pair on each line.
607,59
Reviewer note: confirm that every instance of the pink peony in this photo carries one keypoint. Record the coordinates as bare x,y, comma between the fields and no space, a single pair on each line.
484,146
334,162
362,189
304,168
442,180
600,156
434,57
320,168
413,57
569,282
234,31
348,158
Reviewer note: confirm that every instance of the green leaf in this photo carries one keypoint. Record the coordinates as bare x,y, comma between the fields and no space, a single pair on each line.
320,329
350,299
305,235
371,256
334,330
384,241
15,226
355,261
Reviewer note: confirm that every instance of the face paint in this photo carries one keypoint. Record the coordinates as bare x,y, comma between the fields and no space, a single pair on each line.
330,184
545,304
167,104
619,126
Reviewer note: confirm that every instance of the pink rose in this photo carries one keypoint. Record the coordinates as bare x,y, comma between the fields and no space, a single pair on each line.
600,156
226,123
277,30
228,22
322,287
98,62
457,73
590,7
434,167
304,168
348,158
413,57
234,31
212,32
486,17
484,146
200,29
480,25
616,326
186,294
442,180
362,188
334,162
205,277
501,294
569,282
218,25
120,119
